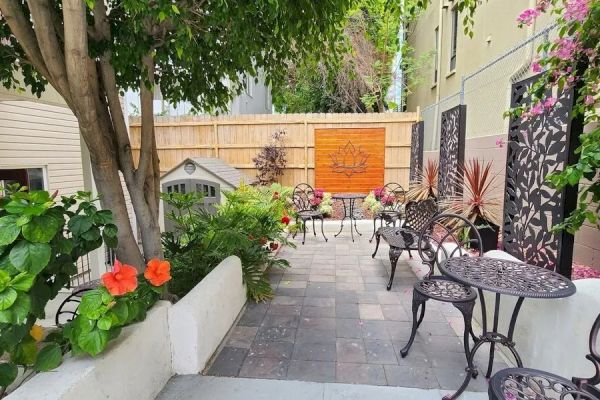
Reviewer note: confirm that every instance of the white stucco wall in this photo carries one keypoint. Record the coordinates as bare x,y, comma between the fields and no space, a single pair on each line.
178,338
200,320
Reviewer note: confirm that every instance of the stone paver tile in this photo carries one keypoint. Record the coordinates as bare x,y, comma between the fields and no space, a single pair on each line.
319,302
327,312
321,278
373,329
288,277
293,284
287,301
347,310
228,362
311,371
447,359
283,291
274,334
380,352
395,313
388,298
368,278
315,336
417,377
452,378
349,286
435,344
258,367
314,351
399,330
346,260
416,357
317,323
324,271
347,272
348,328
242,336
297,271
367,298
348,279
346,296
278,309
375,287
368,374
320,289
252,317
351,350
281,321
279,350
436,328
370,311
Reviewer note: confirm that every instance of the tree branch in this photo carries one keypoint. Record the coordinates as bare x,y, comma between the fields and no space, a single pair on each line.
21,28
147,118
50,49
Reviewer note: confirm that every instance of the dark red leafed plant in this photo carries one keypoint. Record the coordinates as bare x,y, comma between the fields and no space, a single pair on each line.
271,160
425,186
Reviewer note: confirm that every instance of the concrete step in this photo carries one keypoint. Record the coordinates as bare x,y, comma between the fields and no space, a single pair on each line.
196,387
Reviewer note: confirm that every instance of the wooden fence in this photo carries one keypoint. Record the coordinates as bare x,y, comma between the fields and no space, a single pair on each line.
238,139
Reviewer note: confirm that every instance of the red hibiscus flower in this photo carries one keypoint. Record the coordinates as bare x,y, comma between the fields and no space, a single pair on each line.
285,220
122,279
158,272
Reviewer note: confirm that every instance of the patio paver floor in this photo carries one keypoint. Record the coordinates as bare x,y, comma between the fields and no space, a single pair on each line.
332,320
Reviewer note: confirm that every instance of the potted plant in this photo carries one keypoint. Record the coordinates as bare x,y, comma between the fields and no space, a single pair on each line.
479,202
425,186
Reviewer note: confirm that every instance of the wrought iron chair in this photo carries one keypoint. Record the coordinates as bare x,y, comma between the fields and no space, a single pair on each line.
392,212
68,309
533,384
443,237
417,214
303,197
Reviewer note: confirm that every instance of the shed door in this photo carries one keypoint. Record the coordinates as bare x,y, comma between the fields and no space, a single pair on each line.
210,190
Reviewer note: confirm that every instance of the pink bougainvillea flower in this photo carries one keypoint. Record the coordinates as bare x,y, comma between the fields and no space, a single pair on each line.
387,200
536,66
550,102
315,201
542,5
378,192
589,100
158,272
528,16
319,193
576,10
500,143
285,220
565,47
537,109
121,280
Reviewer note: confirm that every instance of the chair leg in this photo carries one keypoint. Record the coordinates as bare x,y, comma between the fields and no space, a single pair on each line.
296,231
313,224
374,229
303,231
421,316
377,238
394,256
466,309
410,255
418,301
322,231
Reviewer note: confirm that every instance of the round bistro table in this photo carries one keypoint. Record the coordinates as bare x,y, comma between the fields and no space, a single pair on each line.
349,202
502,277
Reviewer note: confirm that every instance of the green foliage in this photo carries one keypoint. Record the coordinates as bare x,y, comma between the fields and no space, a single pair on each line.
356,81
38,254
246,226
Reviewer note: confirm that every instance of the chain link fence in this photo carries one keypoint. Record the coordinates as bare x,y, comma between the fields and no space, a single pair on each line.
486,92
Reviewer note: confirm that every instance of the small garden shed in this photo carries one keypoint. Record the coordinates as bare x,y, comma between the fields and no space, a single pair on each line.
207,175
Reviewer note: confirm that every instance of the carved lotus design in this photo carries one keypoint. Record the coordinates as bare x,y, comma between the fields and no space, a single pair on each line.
349,160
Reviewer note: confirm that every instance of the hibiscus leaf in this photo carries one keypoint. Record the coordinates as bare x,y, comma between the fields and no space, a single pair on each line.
20,309
121,312
90,303
41,229
22,282
9,231
25,352
93,342
31,257
78,224
48,358
7,298
8,373
105,322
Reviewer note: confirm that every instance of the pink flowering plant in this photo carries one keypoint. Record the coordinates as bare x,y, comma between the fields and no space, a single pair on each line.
571,61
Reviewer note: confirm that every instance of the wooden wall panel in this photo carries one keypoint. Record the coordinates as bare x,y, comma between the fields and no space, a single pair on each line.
349,159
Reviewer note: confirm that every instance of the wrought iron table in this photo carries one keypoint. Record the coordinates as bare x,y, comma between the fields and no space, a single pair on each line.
508,278
349,202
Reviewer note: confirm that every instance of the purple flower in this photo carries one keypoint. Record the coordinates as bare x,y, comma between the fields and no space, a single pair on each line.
319,193
537,109
576,10
388,200
536,66
378,192
528,16
549,102
565,48
500,143
589,100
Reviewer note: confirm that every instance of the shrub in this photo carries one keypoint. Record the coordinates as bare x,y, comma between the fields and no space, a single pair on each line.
248,225
40,243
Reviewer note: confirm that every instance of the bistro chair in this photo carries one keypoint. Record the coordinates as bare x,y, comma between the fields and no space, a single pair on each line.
406,237
533,384
443,237
390,212
303,197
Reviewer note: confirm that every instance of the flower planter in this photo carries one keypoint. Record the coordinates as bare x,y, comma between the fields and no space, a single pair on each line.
489,235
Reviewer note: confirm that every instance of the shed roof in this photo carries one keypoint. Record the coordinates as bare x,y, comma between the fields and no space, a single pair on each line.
219,168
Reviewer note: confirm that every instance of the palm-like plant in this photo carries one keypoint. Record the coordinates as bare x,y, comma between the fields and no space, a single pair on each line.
479,201
425,186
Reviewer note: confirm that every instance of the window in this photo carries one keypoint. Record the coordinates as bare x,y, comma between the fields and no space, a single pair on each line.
437,53
33,178
453,39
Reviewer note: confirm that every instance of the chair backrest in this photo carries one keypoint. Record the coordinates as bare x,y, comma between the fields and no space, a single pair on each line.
302,195
418,213
397,192
587,384
445,236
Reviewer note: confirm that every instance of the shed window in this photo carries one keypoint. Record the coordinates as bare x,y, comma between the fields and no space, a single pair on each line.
33,178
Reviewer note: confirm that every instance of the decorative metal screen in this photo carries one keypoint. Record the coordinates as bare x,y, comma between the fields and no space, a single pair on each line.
536,148
452,151
416,150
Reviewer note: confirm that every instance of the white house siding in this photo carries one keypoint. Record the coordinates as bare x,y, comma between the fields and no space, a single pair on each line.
41,135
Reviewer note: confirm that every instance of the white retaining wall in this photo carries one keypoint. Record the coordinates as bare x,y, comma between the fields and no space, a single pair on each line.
172,339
